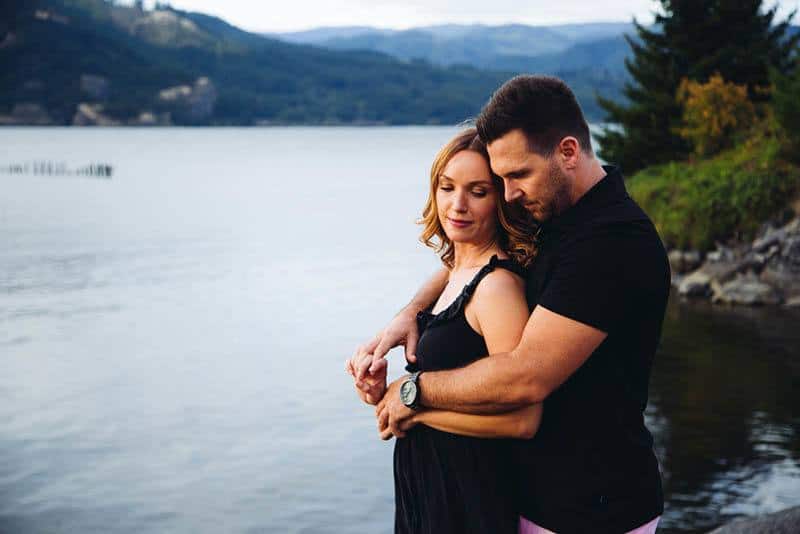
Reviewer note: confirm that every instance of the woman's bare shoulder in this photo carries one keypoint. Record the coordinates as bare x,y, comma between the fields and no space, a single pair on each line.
500,281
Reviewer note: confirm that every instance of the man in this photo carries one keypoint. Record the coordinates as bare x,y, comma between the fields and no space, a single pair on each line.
598,289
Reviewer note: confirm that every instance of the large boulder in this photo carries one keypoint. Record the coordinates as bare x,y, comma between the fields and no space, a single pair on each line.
684,261
782,270
697,284
764,272
746,289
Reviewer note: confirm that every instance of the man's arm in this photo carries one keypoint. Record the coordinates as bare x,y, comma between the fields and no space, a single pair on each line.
552,348
586,297
499,313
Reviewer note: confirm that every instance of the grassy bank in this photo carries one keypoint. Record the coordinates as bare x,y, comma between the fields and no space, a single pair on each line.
694,204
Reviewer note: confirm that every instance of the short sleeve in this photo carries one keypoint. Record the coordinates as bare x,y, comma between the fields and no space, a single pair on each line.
588,279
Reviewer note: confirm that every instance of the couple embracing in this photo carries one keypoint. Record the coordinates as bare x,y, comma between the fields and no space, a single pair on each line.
530,351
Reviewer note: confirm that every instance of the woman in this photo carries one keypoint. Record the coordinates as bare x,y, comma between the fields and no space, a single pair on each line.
448,476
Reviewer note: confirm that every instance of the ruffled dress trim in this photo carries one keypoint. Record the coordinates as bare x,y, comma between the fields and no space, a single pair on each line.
430,320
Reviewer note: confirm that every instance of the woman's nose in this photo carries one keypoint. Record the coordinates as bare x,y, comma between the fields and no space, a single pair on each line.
460,202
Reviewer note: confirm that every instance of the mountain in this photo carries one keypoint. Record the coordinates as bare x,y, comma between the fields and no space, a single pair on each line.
318,36
90,61
589,57
451,44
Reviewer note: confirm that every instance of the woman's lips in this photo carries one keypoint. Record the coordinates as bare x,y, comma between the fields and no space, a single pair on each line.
459,223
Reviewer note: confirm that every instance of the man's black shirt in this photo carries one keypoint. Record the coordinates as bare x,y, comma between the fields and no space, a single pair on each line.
591,466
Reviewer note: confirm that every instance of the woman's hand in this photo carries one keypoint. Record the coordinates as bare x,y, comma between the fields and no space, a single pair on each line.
401,330
386,433
372,384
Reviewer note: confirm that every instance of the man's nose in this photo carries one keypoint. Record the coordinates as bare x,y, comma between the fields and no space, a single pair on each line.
512,193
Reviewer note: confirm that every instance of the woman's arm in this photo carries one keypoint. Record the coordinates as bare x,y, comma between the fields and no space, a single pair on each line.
498,311
521,423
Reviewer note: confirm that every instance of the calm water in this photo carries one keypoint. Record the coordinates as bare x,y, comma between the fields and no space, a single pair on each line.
172,339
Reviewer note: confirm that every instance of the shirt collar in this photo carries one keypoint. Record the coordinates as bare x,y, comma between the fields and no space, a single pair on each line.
607,189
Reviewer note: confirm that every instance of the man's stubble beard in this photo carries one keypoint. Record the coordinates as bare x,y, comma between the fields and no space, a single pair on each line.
557,194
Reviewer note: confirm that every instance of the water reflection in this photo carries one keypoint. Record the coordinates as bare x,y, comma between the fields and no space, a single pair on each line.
172,339
723,411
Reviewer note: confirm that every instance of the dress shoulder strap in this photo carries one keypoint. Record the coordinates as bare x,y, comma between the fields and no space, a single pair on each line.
457,306
494,262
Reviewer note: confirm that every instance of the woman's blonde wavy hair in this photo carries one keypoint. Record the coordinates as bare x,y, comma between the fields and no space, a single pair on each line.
518,231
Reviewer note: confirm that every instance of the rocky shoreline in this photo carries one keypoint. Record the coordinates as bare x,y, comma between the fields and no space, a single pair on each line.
783,522
765,271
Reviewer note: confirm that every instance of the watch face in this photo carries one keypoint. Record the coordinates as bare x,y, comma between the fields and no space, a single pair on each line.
408,393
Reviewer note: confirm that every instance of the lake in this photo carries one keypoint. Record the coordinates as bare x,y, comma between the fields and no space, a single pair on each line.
172,338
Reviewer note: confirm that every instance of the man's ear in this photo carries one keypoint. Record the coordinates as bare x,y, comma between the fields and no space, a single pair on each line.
569,150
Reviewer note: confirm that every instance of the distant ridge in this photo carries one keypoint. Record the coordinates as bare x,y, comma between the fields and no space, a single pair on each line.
589,57
446,44
92,62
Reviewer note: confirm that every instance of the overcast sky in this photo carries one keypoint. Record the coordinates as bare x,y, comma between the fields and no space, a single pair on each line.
290,15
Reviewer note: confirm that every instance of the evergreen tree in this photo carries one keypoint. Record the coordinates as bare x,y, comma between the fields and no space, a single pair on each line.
691,39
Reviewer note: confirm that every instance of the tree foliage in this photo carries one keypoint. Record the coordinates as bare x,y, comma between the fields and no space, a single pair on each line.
715,114
786,108
257,79
739,39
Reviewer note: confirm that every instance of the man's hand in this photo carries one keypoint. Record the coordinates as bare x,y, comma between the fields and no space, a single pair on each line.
394,417
372,385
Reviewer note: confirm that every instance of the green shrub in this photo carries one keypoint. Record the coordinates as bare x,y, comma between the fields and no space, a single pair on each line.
786,108
728,196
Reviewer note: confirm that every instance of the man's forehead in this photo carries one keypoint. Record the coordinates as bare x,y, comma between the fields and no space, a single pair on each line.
508,152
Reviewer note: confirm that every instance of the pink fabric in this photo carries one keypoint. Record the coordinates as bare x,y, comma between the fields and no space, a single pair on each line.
529,527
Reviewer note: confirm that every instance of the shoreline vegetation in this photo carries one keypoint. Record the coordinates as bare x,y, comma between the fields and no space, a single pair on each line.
731,223
709,138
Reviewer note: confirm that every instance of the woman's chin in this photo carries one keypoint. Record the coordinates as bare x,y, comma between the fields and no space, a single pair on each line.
462,238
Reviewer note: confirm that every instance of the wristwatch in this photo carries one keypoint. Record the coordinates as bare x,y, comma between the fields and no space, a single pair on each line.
409,391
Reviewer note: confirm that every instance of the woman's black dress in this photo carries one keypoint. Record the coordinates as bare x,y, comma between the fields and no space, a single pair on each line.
445,482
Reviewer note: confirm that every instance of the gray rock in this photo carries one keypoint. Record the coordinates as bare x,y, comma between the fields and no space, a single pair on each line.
683,261
726,269
92,115
792,227
771,238
148,118
27,113
747,290
675,258
783,522
697,284
783,270
721,255
196,103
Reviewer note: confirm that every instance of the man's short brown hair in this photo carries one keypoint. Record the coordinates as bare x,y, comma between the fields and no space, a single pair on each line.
543,107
